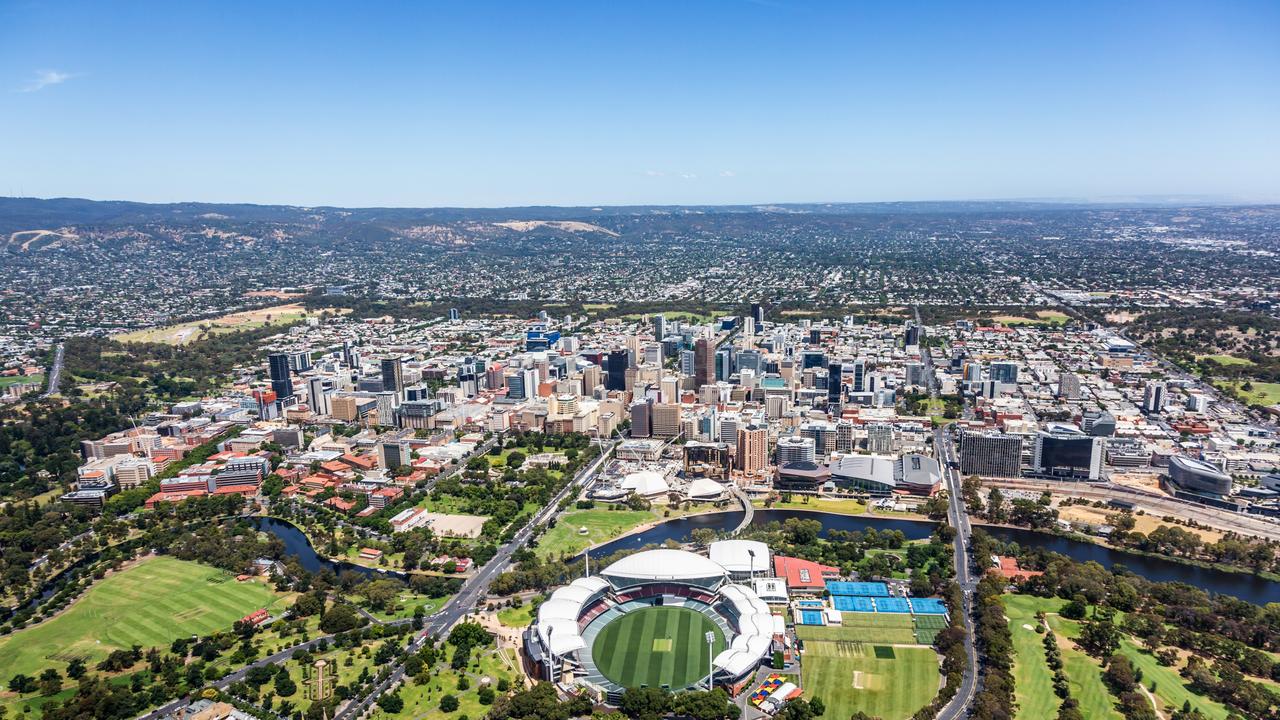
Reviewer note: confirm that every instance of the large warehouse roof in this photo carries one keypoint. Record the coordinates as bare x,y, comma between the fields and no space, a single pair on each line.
664,565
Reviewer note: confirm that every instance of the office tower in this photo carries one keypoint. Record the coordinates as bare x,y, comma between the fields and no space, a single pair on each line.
1099,424
859,376
665,420
454,314
823,435
757,313
812,359
844,436
915,374
318,395
494,378
794,448
1153,397
387,407
880,438
670,386
988,389
617,366
392,374
835,393
300,362
752,449
972,372
1004,371
1069,386
688,362
1197,403
1064,451
703,362
990,454
659,327
751,360
724,363
911,335
278,370
653,354
730,424
641,419
590,379
748,330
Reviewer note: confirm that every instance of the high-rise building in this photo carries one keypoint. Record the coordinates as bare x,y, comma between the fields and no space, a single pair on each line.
641,419
795,448
618,362
278,370
318,392
392,374
752,449
757,313
590,379
703,362
665,419
915,374
1153,397
912,335
835,373
688,361
823,435
454,314
859,376
1069,386
1064,451
990,454
844,436
880,438
659,327
1004,371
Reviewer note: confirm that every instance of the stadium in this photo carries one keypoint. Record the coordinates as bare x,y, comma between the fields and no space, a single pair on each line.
659,618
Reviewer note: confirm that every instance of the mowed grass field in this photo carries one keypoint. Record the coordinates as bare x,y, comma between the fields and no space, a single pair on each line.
656,646
883,681
188,332
892,628
601,524
150,604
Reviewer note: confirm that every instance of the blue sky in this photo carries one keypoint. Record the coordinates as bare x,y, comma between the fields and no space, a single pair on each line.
483,103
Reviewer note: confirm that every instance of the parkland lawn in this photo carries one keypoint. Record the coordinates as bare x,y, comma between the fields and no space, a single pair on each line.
1034,681
151,604
1262,393
602,525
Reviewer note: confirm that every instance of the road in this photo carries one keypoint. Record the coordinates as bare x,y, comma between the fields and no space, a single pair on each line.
55,373
476,587
472,592
944,452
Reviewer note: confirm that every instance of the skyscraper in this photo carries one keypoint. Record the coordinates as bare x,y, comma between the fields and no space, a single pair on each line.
392,374
1069,386
703,362
1153,397
860,375
834,391
617,367
659,327
757,312
753,449
1004,371
990,454
278,370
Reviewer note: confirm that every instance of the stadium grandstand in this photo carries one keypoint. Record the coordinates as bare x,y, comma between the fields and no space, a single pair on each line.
658,618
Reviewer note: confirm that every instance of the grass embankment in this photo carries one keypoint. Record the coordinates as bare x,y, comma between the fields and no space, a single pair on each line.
601,524
150,604
839,506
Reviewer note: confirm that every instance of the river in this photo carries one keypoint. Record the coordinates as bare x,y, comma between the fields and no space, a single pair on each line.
1242,585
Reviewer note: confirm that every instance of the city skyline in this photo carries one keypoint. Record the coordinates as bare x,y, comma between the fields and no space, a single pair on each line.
728,103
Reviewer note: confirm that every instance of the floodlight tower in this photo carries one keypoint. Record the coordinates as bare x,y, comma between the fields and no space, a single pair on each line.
711,639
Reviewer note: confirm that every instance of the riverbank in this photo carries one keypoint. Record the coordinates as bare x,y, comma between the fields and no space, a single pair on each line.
1102,543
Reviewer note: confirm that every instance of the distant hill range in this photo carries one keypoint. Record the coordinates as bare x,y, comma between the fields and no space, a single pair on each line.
34,225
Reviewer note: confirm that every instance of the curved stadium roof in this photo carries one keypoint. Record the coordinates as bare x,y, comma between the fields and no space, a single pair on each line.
664,564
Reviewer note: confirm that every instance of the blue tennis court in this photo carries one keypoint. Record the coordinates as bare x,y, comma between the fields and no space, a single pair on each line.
811,617
816,604
850,603
858,589
892,605
928,606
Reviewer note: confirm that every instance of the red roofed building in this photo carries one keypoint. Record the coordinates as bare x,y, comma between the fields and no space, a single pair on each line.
804,575
173,497
339,504
1008,568
237,490
359,462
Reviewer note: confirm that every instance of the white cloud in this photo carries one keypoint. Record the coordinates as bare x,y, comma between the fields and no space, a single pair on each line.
689,176
45,78
727,173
